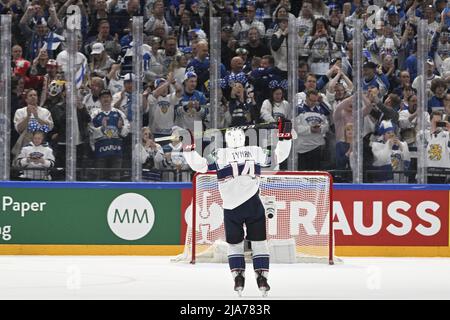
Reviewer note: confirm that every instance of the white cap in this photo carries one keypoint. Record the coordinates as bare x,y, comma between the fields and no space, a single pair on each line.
97,48
128,77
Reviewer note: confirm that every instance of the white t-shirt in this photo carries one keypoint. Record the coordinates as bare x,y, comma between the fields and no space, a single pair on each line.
162,113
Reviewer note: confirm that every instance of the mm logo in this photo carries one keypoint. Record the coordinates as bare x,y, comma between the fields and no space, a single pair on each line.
131,216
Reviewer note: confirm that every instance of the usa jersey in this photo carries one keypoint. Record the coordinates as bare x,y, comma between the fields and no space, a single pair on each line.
238,171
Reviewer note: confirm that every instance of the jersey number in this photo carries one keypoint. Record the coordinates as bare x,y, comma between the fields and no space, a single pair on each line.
248,170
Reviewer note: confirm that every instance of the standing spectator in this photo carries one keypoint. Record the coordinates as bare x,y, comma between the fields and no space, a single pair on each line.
390,154
182,30
255,46
440,46
321,47
29,119
192,106
98,12
155,68
404,81
343,153
151,155
305,23
278,46
236,74
161,106
101,62
123,16
319,9
276,107
240,109
372,79
439,90
241,27
157,19
122,100
339,88
408,129
40,34
337,28
178,67
389,71
312,126
111,44
39,65
303,70
169,53
261,78
407,92
437,139
430,77
228,45
51,74
91,101
343,114
108,128
56,104
408,43
200,65
311,84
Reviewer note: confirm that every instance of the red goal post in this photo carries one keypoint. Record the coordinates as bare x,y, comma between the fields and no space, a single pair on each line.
303,218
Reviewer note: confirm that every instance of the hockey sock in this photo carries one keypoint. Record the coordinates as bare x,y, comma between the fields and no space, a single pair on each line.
236,259
260,256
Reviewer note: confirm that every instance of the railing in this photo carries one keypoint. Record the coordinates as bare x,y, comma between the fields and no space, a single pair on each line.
100,174
435,175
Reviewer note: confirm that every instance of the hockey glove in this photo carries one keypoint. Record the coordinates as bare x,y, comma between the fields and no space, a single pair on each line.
284,129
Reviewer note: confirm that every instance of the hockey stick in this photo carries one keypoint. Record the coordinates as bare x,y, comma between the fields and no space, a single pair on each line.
252,126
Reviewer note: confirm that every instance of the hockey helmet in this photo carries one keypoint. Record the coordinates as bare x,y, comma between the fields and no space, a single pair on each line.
235,137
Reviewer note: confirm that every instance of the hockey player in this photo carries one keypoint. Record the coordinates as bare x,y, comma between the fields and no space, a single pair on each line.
238,168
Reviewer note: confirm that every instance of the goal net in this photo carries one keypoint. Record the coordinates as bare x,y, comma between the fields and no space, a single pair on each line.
298,230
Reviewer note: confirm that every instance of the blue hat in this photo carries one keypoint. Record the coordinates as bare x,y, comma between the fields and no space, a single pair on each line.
385,126
188,75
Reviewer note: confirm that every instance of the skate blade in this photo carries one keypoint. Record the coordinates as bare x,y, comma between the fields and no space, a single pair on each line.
264,292
239,292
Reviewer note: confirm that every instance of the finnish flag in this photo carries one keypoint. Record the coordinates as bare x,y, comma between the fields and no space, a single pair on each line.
53,41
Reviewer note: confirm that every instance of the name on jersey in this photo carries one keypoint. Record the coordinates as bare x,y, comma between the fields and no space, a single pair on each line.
245,154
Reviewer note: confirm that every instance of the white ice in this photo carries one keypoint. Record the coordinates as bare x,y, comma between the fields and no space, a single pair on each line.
45,277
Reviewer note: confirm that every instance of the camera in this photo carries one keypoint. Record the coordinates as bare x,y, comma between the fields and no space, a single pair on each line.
441,124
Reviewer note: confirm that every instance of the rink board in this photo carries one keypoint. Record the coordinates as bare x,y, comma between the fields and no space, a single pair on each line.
53,218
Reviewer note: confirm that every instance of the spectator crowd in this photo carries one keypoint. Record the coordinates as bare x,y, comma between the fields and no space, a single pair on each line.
254,70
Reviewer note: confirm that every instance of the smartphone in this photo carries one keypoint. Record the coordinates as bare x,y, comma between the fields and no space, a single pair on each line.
441,124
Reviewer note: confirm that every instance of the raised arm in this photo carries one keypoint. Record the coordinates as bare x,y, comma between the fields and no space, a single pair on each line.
195,161
285,134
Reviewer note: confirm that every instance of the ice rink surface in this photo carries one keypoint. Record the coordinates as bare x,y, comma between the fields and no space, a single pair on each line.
44,277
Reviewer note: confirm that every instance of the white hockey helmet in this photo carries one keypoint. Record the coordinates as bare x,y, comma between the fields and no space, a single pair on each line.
235,138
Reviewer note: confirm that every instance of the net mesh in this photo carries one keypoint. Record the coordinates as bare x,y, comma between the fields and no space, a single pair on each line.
302,203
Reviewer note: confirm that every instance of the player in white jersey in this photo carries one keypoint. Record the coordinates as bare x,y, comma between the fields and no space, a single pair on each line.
238,168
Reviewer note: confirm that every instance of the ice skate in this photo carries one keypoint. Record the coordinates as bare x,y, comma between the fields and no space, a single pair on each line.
261,280
239,281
